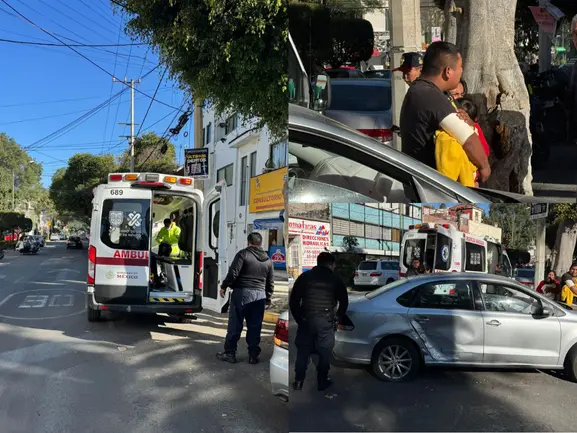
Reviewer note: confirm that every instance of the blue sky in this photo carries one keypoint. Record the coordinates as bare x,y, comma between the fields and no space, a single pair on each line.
45,88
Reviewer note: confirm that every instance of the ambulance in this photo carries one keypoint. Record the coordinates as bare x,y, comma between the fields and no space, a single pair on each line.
443,248
123,254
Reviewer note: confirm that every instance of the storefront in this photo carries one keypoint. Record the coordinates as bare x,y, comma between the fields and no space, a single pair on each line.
266,213
313,237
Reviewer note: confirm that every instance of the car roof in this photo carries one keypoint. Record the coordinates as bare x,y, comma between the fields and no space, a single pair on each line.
305,119
459,276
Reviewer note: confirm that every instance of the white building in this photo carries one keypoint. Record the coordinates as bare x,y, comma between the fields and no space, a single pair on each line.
254,167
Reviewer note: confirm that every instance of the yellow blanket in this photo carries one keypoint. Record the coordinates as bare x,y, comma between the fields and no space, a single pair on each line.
452,161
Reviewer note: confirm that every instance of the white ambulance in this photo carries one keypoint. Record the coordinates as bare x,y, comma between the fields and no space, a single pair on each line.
123,261
443,248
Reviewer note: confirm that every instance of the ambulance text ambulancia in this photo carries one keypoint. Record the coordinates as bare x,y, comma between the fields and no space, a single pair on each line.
127,268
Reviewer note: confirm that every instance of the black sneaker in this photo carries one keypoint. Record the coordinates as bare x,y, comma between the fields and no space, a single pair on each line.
298,385
324,384
227,357
253,360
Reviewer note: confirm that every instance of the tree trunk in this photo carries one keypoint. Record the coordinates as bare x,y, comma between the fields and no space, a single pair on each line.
486,38
564,246
450,29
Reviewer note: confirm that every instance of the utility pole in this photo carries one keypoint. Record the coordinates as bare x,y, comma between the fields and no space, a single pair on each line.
406,37
131,84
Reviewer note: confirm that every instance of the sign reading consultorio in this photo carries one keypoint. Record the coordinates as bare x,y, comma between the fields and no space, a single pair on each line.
266,191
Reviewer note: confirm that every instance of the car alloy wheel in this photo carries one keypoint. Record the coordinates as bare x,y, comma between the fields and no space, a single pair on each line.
395,360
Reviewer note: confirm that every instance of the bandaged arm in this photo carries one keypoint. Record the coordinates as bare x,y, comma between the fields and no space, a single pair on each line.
466,136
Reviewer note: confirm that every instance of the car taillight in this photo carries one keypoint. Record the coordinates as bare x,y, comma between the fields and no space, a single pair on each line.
346,324
383,135
281,334
200,271
356,274
402,274
91,265
376,274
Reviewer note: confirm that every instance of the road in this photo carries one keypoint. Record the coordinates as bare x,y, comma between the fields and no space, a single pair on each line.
438,400
61,374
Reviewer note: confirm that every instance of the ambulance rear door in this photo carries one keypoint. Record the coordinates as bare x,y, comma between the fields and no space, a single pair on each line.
214,244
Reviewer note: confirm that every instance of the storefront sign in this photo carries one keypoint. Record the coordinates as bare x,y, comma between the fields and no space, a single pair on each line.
277,255
196,163
315,238
266,191
546,21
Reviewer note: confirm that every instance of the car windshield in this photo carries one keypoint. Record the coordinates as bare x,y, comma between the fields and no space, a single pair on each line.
361,97
385,288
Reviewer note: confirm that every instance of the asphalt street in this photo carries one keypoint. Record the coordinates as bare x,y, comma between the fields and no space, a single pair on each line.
61,374
438,400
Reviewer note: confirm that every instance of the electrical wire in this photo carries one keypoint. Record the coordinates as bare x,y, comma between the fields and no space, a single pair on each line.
79,53
150,104
50,44
111,89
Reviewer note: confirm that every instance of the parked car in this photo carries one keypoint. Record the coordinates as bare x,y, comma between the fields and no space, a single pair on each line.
444,319
331,163
525,276
54,237
279,363
74,242
344,73
379,73
363,105
376,273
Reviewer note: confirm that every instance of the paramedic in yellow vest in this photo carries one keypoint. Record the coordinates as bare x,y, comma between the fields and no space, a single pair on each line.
169,234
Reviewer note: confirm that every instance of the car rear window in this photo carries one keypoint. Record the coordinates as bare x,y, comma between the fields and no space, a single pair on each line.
125,224
368,266
355,97
526,273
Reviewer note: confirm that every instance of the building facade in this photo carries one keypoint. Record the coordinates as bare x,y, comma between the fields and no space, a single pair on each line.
254,168
467,218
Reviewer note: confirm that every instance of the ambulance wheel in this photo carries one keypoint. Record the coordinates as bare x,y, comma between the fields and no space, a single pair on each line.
93,315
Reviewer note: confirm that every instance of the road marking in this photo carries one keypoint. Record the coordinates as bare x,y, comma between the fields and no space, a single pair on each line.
34,301
6,299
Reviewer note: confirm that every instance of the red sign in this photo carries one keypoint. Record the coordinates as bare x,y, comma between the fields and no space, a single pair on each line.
546,21
278,257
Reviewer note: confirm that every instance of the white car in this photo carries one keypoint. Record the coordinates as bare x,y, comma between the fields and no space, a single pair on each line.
376,273
279,363
54,237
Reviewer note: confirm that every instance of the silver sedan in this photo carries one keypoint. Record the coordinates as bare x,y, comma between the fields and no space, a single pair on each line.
456,319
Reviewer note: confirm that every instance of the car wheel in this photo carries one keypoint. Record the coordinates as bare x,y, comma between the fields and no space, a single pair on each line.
93,315
395,360
571,365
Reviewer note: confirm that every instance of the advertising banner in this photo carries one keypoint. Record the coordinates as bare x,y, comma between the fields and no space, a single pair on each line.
196,163
315,238
266,191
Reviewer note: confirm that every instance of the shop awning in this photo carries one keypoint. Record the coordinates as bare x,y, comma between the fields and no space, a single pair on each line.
268,224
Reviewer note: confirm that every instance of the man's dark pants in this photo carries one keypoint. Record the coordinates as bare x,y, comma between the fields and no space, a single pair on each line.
314,334
253,313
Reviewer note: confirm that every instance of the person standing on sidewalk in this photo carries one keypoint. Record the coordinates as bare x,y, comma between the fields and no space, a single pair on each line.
251,278
312,303
411,66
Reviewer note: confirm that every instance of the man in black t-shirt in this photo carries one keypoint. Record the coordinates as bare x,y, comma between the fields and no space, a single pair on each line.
426,109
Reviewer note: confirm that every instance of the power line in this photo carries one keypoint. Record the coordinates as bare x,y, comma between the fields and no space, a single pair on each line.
111,89
79,53
150,104
50,44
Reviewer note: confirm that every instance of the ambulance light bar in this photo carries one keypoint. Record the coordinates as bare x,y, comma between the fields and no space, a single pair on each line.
149,179
427,226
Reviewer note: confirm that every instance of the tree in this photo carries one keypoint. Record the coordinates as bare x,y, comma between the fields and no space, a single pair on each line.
232,53
514,220
562,255
149,155
71,188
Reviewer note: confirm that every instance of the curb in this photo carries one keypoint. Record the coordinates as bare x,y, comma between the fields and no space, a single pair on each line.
270,317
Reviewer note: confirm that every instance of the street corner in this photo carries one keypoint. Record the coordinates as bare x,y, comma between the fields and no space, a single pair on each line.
42,304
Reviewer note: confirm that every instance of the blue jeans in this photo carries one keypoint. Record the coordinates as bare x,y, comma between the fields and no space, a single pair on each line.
253,313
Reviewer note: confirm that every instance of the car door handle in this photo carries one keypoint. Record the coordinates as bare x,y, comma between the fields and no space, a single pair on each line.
422,319
494,323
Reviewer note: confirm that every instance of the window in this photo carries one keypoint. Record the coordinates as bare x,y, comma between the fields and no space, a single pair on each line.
125,224
443,253
355,97
253,164
445,296
214,217
385,289
243,180
414,248
368,266
406,299
390,266
208,138
474,257
278,154
231,123
497,297
225,173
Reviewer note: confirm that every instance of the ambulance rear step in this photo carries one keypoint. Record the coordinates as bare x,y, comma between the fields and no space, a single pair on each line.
170,297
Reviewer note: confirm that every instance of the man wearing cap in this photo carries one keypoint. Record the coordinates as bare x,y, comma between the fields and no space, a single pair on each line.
411,66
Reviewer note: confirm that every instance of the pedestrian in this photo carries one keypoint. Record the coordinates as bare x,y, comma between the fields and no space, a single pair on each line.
416,268
313,301
426,109
251,278
550,287
568,286
411,66
460,91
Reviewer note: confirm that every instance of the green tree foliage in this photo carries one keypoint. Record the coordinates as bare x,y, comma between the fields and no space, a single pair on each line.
71,189
330,35
149,156
14,220
14,159
232,53
514,220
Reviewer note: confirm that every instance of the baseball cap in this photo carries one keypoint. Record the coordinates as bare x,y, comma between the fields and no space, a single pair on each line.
410,60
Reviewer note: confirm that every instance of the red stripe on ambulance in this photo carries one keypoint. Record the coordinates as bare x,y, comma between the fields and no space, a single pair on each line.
125,258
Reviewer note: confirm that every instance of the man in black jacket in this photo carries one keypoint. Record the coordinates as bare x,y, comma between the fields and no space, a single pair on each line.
250,277
313,300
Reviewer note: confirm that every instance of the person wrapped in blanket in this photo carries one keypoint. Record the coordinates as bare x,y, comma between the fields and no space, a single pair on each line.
569,285
451,160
